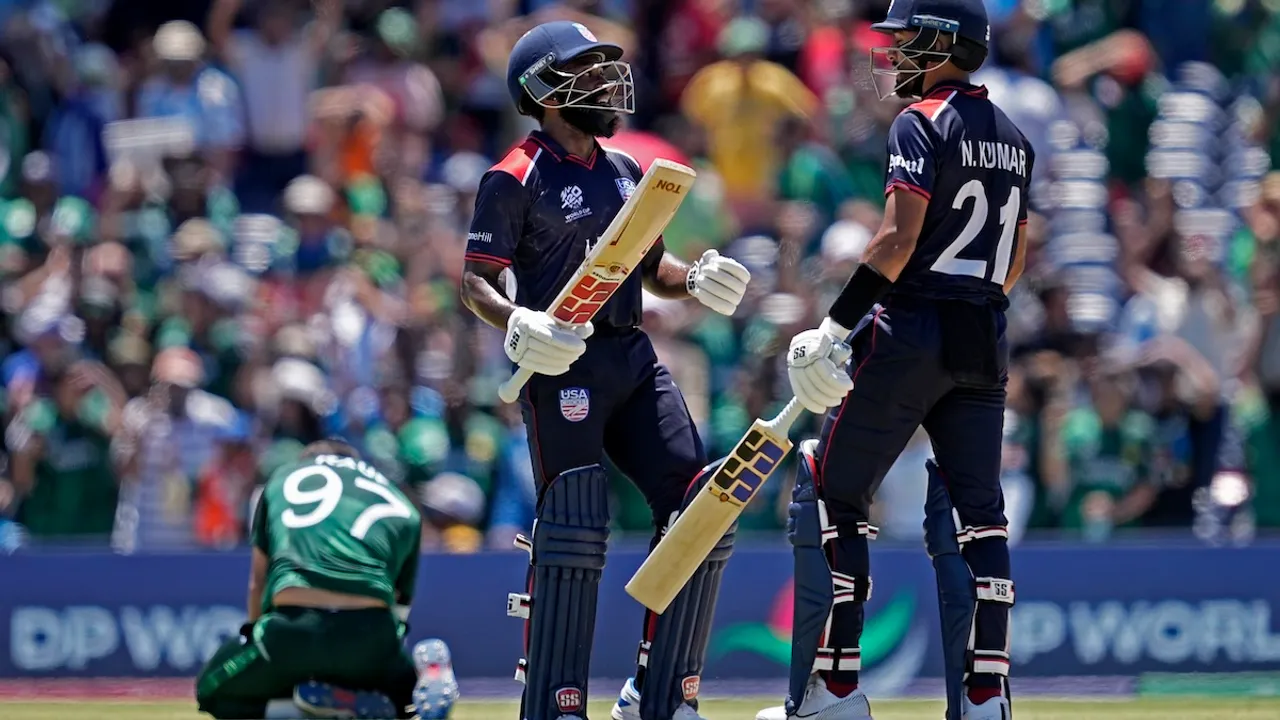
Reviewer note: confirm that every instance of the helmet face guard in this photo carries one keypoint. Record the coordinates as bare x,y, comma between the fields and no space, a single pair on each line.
603,84
906,64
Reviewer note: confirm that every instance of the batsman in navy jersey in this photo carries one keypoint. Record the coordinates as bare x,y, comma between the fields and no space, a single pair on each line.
925,316
598,388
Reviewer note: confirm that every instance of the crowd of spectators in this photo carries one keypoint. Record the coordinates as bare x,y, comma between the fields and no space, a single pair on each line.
228,229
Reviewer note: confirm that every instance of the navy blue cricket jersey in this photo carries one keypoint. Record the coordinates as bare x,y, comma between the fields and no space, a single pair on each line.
961,153
540,209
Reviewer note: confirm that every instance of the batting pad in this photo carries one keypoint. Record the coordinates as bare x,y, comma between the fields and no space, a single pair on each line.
570,537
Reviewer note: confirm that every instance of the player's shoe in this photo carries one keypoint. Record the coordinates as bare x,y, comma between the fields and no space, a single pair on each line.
821,704
628,706
322,700
997,708
437,688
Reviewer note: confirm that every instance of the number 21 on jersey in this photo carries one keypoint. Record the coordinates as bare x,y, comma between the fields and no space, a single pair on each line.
950,264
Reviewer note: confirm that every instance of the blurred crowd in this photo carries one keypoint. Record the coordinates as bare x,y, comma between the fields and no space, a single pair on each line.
228,229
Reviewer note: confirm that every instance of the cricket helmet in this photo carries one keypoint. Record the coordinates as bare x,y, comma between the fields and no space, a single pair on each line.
963,22
562,65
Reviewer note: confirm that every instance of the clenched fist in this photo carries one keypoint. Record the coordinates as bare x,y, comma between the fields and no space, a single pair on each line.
718,282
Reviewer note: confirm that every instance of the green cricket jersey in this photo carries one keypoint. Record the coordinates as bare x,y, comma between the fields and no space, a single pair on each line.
335,523
1112,460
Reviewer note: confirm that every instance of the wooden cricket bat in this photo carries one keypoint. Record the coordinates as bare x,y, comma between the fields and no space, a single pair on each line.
717,506
617,253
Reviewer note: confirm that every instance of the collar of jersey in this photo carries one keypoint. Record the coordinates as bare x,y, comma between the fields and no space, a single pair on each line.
947,86
556,151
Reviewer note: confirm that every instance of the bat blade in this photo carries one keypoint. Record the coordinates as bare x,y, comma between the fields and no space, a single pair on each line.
618,252
626,241
713,511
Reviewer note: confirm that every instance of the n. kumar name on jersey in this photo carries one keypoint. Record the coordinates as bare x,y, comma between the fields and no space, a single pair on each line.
994,156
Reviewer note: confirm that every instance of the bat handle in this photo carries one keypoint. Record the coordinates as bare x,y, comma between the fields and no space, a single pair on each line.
510,390
785,419
841,353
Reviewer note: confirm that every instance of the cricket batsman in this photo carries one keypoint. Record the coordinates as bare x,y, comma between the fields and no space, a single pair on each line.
927,312
599,387
335,558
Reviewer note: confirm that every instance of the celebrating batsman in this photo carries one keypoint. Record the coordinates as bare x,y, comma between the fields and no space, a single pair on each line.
598,387
927,308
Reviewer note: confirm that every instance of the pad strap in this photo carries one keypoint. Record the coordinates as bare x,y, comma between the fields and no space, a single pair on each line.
990,662
845,589
989,634
997,590
969,533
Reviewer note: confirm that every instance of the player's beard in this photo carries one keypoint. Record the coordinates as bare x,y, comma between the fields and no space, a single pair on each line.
913,88
592,121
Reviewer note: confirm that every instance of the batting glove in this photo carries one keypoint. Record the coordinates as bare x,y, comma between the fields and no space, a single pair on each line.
535,342
817,379
718,282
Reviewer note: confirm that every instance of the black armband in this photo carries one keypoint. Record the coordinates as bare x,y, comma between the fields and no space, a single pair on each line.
865,288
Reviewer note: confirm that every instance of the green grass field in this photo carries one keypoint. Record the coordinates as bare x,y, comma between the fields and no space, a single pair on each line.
1172,709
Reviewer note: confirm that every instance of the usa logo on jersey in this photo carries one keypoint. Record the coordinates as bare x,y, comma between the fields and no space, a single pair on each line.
575,404
626,186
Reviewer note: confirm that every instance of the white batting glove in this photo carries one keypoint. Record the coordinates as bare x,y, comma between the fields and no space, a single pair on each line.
718,282
815,367
535,342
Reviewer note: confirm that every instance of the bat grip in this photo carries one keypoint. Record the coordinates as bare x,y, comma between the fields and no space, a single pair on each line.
510,390
785,419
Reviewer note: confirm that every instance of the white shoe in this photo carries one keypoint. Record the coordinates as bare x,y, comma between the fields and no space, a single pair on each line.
820,704
628,706
997,708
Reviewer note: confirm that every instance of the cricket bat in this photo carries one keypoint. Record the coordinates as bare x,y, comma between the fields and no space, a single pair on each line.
617,253
717,506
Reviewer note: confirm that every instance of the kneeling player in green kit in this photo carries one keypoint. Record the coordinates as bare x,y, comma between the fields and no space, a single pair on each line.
335,558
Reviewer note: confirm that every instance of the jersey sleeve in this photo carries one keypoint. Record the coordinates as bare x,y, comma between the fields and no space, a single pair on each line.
407,578
913,156
259,535
654,256
499,217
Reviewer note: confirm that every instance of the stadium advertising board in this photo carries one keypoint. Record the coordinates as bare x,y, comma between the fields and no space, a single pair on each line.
1081,611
